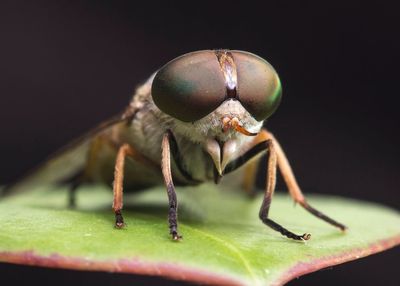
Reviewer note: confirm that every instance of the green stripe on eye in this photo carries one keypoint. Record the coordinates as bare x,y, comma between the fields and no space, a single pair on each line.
184,88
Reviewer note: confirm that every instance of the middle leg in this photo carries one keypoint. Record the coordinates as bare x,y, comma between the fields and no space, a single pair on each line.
123,151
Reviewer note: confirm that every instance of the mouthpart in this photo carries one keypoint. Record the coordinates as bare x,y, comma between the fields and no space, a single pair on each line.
235,124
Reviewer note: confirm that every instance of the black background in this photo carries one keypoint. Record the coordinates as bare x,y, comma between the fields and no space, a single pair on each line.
67,65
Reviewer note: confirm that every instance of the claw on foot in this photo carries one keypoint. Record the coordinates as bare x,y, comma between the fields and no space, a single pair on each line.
119,220
306,236
176,236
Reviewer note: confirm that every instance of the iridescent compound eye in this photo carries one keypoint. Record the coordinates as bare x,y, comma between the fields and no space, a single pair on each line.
258,88
189,87
195,84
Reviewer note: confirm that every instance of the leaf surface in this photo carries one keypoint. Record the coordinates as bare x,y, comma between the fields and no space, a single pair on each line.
223,240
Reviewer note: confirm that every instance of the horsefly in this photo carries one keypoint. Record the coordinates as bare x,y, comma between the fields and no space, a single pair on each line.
196,119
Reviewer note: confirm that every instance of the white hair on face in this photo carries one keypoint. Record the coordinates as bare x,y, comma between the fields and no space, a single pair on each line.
150,125
200,130
211,126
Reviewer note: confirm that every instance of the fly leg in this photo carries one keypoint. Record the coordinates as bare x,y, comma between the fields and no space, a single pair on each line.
73,184
291,182
269,191
172,199
124,150
83,175
72,192
262,144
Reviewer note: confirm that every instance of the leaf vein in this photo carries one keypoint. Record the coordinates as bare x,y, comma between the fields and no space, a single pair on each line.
233,249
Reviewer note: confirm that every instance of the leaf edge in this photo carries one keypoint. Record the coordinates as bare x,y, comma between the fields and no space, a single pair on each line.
184,273
303,268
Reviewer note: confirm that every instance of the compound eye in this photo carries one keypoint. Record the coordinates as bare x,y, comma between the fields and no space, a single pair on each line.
259,88
190,86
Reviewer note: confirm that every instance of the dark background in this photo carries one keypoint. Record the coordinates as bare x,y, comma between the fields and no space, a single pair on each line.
67,65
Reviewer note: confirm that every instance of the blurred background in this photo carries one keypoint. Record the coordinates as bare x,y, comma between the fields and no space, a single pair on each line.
67,65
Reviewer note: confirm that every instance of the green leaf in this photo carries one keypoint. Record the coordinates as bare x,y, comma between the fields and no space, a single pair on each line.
224,241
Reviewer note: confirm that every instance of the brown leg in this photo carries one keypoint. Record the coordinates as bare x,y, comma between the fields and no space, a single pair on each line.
173,202
291,182
269,191
83,175
265,141
261,144
124,150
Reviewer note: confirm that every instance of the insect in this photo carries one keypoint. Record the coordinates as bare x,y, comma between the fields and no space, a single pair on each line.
196,119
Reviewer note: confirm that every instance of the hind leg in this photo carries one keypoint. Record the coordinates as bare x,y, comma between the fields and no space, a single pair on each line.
83,176
72,192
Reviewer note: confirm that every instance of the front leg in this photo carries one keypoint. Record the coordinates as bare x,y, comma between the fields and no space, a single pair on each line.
265,141
166,171
269,190
291,182
260,145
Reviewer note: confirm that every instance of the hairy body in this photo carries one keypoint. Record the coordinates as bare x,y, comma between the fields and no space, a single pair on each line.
198,118
144,132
